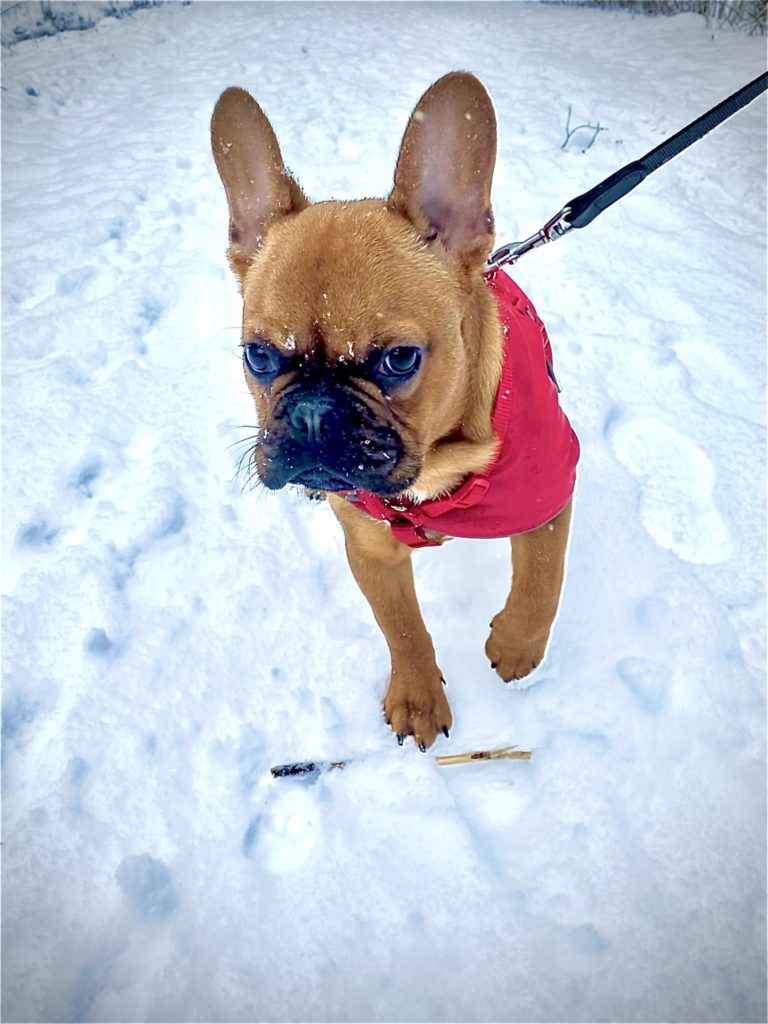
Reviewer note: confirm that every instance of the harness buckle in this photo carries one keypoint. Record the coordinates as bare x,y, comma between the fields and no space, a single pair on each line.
474,493
468,494
510,253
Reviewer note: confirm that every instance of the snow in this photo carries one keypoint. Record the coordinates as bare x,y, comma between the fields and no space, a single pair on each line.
168,638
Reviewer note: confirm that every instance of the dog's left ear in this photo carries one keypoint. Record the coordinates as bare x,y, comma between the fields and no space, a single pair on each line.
445,168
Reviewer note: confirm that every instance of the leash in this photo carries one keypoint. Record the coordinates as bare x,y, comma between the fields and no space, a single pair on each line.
582,210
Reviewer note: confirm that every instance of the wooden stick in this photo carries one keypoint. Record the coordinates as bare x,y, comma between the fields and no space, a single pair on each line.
502,753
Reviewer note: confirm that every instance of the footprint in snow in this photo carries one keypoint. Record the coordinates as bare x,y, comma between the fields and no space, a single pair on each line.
36,534
72,281
287,833
677,507
647,682
87,475
147,885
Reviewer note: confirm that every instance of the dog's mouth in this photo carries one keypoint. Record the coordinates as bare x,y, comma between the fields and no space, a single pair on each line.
347,470
329,440
322,479
275,475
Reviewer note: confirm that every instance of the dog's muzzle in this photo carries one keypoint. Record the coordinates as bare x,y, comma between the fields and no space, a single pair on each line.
329,439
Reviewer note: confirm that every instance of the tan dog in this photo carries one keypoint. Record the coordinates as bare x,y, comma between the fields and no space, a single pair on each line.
373,350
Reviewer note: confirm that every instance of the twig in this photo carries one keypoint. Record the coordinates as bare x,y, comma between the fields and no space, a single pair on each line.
596,128
502,754
311,769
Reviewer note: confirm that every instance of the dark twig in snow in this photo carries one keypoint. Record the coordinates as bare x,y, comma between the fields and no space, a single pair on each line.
595,128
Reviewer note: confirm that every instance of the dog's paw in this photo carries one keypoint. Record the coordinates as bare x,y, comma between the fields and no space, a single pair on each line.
513,648
416,705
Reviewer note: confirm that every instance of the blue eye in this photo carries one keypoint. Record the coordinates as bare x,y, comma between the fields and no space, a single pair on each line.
400,362
262,360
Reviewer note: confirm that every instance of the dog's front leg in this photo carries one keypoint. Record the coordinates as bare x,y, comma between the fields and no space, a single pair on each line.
415,703
519,633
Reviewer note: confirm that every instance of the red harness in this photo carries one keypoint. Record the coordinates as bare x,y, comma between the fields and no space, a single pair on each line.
534,474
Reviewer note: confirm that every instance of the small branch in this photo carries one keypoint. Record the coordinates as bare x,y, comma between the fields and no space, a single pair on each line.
569,132
502,754
312,769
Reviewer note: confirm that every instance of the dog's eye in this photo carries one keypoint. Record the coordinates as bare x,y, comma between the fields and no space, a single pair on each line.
400,362
262,360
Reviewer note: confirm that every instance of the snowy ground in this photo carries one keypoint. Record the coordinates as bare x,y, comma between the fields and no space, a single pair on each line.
168,638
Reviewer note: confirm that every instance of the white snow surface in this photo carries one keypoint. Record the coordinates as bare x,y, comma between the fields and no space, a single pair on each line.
168,638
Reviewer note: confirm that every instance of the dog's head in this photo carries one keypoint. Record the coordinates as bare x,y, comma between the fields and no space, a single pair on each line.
362,320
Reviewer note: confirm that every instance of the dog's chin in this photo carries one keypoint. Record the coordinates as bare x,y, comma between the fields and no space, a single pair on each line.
322,478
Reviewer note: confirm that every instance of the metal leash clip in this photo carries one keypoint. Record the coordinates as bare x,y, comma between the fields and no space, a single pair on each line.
510,253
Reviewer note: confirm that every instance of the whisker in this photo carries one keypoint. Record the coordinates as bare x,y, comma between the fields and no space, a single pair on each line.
252,480
244,440
246,484
248,454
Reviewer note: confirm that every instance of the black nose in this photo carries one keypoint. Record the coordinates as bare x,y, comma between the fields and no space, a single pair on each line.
312,418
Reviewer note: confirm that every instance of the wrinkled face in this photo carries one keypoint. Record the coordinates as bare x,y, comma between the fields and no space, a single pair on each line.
352,349
353,312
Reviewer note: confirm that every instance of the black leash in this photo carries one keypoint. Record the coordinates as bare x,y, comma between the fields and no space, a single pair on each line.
584,208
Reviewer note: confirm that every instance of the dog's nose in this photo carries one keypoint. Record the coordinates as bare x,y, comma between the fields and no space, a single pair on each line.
311,419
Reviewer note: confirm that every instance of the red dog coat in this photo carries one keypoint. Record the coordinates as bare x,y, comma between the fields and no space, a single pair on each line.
534,474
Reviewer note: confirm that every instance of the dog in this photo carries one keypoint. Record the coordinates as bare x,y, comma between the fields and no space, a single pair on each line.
393,374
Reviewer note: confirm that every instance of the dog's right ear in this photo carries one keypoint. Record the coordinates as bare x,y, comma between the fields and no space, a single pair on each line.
259,188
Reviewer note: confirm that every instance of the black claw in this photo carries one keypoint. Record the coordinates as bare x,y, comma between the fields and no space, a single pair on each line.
387,721
494,664
422,748
446,733
400,738
442,680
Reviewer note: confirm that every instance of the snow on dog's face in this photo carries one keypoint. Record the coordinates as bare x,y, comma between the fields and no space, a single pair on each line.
362,323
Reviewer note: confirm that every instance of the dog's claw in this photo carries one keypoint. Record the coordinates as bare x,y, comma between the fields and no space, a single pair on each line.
446,733
422,748
514,649
416,705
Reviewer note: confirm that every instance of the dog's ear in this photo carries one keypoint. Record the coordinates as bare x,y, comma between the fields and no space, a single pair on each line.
259,188
445,168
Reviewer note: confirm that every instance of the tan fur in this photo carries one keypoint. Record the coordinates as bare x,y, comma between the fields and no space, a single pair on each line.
346,274
341,277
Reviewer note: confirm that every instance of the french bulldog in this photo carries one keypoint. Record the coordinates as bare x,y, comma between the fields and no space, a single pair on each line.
395,373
